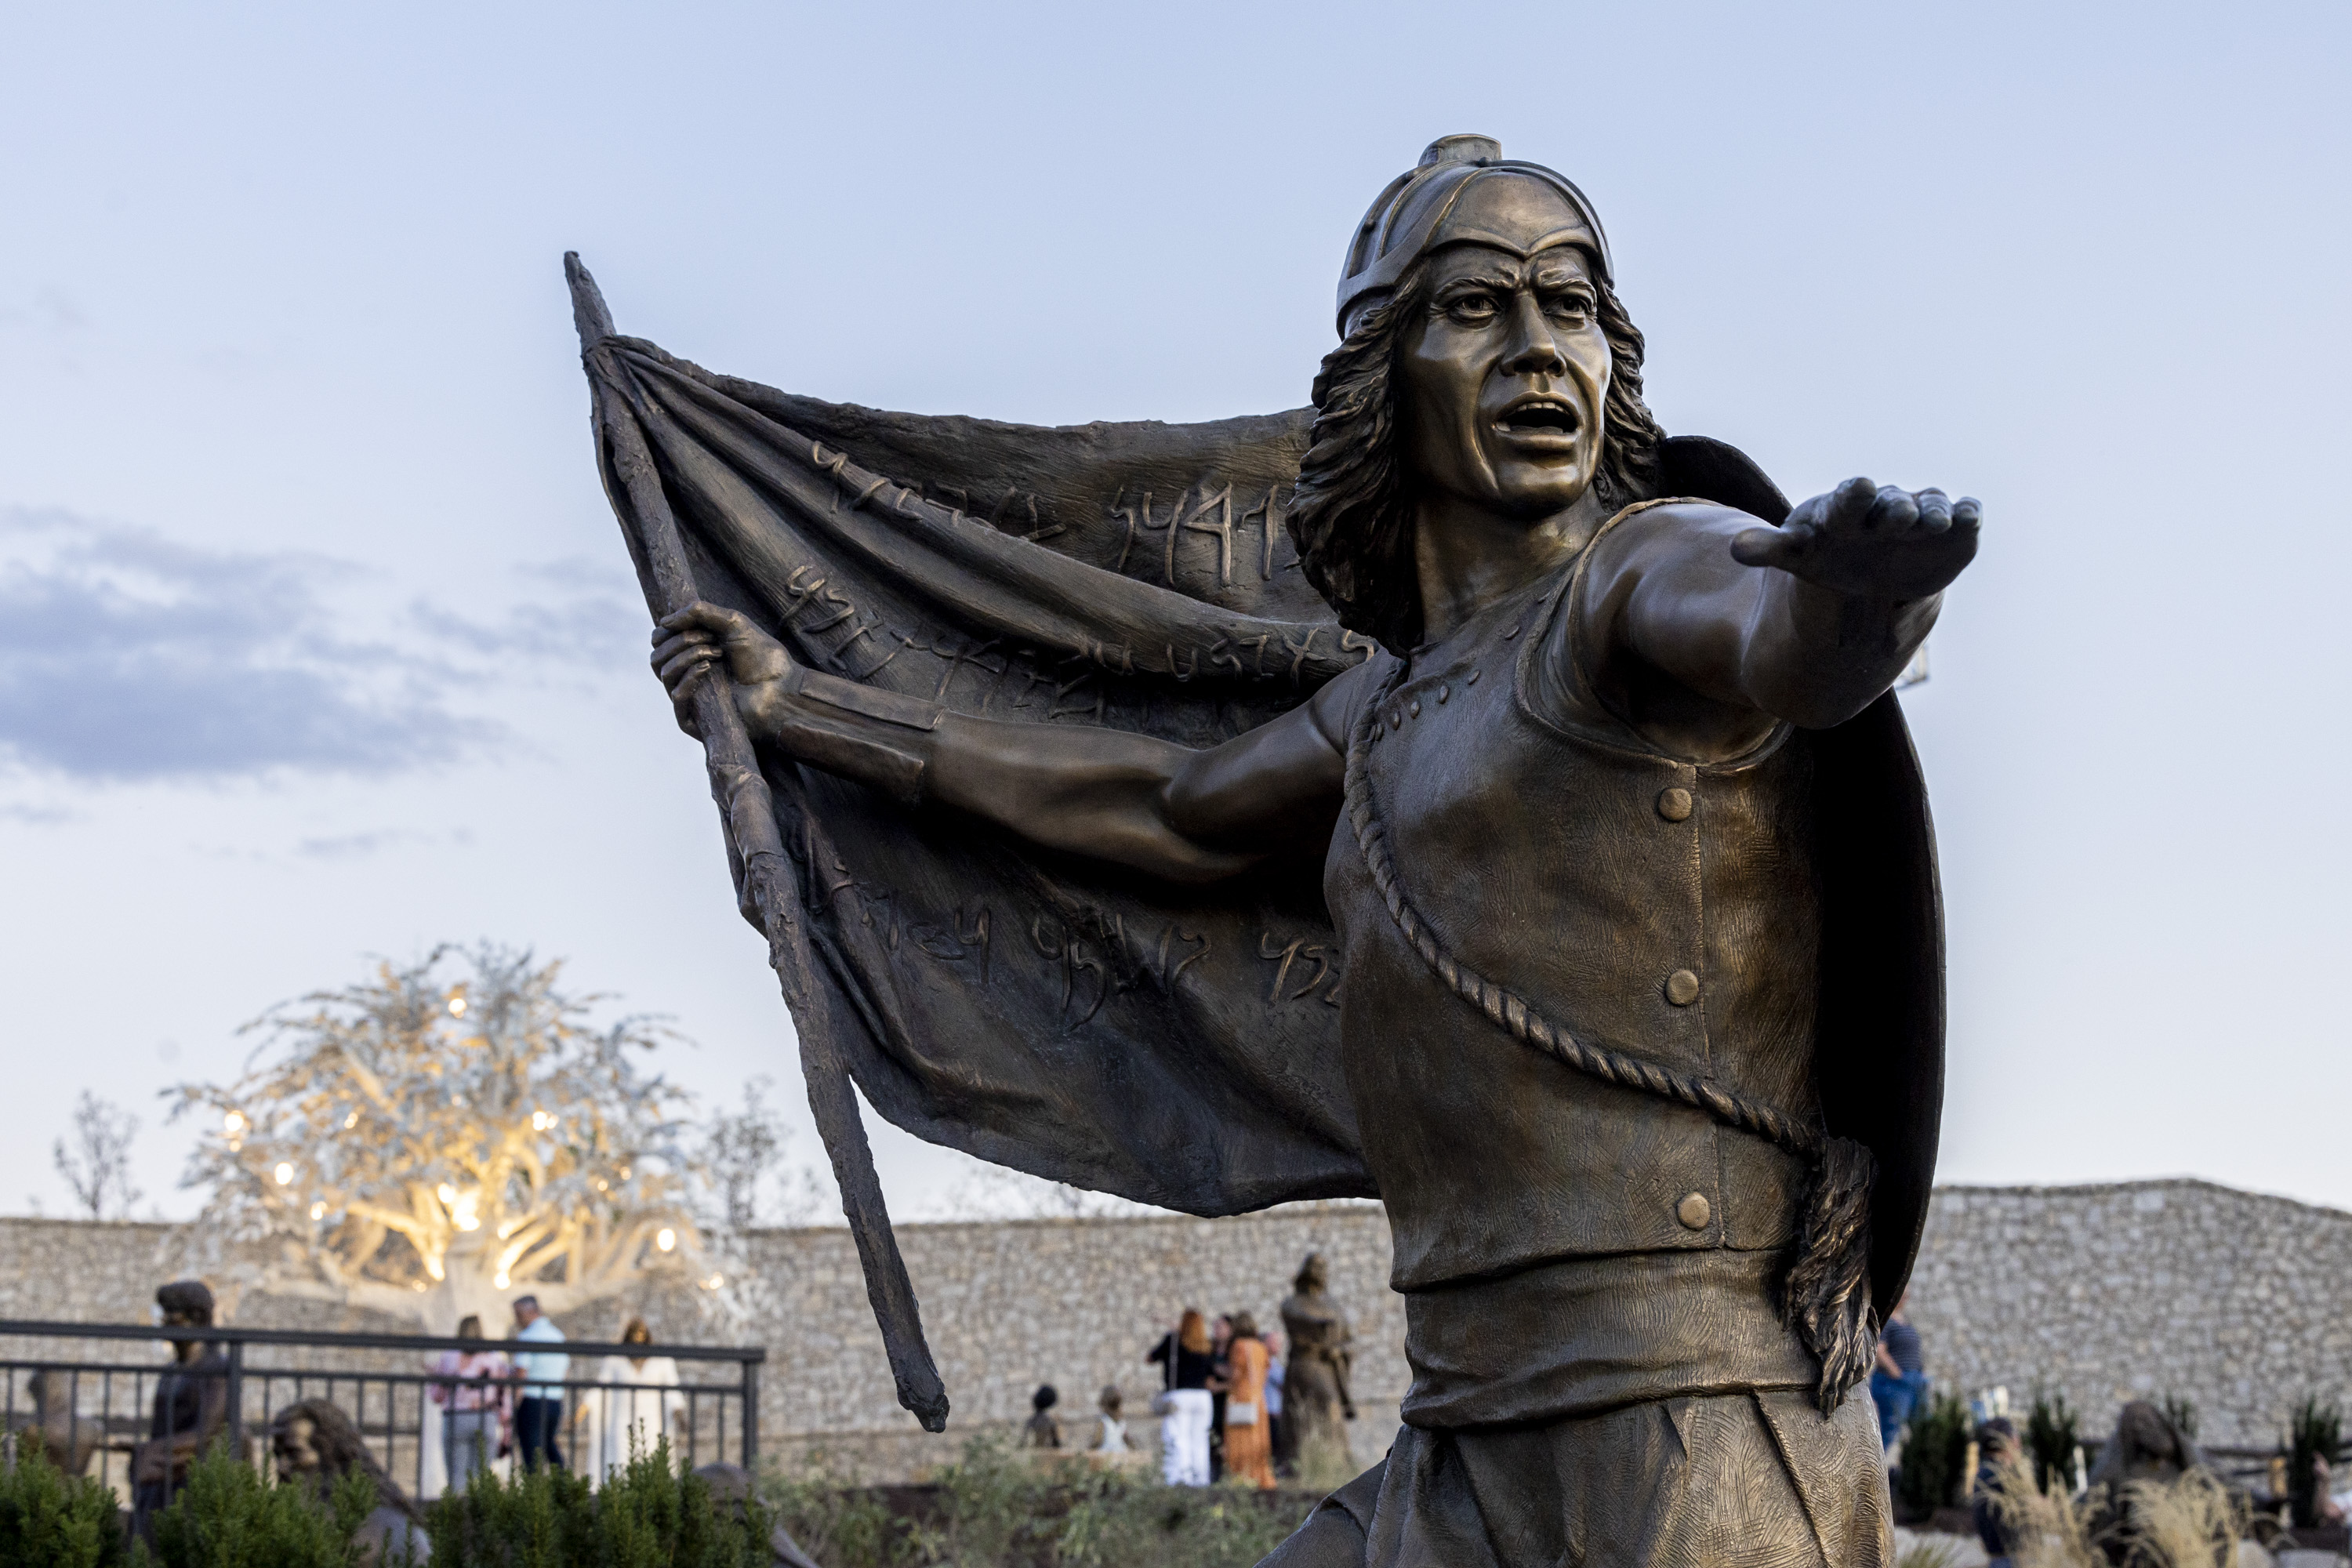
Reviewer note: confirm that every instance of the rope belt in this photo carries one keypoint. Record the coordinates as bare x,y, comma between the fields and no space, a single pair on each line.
1827,1294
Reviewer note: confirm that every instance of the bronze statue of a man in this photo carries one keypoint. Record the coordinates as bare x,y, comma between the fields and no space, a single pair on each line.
1629,1002
1315,1400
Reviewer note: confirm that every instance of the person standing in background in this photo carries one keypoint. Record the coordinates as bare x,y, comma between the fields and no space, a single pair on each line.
1184,1404
539,1414
1898,1384
1111,1437
640,1411
1279,1437
474,1414
1221,1343
1249,1443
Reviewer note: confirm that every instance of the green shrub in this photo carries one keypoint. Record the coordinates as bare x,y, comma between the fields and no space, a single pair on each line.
230,1516
992,1508
1117,1519
996,1509
49,1520
2313,1432
838,1522
2181,1412
1935,1456
645,1515
2053,1433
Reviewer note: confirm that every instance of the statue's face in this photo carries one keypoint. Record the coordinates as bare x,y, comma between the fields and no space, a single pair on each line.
1503,376
295,1448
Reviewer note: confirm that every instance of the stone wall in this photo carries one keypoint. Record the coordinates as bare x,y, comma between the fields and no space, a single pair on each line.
2235,1302
1075,1303
2106,1293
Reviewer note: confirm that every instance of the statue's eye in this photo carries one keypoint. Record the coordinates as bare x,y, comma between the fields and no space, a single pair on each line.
1471,307
1573,309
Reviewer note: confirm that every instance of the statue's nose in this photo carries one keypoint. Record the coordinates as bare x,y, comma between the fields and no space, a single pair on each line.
1534,351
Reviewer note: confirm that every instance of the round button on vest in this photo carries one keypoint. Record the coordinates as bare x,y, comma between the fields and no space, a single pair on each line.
1674,805
1682,988
1694,1211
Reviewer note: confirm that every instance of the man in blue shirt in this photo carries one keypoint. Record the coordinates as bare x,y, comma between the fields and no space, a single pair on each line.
539,1414
1898,1384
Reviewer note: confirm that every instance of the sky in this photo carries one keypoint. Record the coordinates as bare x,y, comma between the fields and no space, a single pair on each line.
318,642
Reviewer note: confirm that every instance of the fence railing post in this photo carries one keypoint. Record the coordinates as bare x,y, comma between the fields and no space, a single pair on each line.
236,1398
752,1414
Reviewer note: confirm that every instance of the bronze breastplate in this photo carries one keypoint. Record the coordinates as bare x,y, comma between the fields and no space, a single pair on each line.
1654,906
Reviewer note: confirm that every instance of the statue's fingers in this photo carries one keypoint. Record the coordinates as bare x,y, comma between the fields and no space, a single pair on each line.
692,662
1892,511
1849,504
702,612
676,645
676,655
1935,510
1968,512
1770,546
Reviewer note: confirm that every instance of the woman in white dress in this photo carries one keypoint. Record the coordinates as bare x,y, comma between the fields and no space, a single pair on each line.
638,1415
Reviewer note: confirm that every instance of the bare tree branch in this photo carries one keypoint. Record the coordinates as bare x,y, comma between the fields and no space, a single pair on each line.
96,1165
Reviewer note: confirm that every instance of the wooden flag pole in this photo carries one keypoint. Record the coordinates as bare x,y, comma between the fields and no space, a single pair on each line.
769,887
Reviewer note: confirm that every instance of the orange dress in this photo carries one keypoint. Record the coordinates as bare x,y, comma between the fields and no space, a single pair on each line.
1249,1449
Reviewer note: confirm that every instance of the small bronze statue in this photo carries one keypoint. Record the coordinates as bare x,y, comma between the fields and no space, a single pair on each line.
1315,1395
190,1405
1044,1428
1574,893
2146,1456
314,1443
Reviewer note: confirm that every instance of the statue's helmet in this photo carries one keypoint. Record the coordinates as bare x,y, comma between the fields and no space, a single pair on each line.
1438,202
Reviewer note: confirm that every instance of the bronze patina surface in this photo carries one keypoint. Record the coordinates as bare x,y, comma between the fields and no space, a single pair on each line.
1544,854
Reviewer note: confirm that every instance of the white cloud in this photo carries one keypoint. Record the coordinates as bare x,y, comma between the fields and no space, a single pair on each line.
126,655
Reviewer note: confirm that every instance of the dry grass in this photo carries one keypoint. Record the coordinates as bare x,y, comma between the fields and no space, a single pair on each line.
2188,1523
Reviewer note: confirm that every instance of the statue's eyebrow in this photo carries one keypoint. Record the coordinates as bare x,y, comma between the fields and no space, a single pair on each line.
1559,276
1499,279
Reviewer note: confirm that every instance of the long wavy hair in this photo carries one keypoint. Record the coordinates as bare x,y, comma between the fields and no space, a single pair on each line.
1352,516
340,1449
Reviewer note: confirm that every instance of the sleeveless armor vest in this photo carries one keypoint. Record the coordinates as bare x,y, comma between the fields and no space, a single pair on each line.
1676,913
1666,909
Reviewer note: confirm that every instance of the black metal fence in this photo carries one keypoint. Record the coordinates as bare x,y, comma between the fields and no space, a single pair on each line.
63,1385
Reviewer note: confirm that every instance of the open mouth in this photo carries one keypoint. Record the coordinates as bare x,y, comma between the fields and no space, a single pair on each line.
1538,416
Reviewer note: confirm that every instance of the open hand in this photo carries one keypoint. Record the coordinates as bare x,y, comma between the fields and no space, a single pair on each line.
1870,541
694,640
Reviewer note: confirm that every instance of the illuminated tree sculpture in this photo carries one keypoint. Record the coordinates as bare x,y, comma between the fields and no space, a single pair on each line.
431,1147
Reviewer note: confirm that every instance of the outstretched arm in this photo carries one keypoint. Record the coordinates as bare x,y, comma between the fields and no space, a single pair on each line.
1161,808
1694,616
